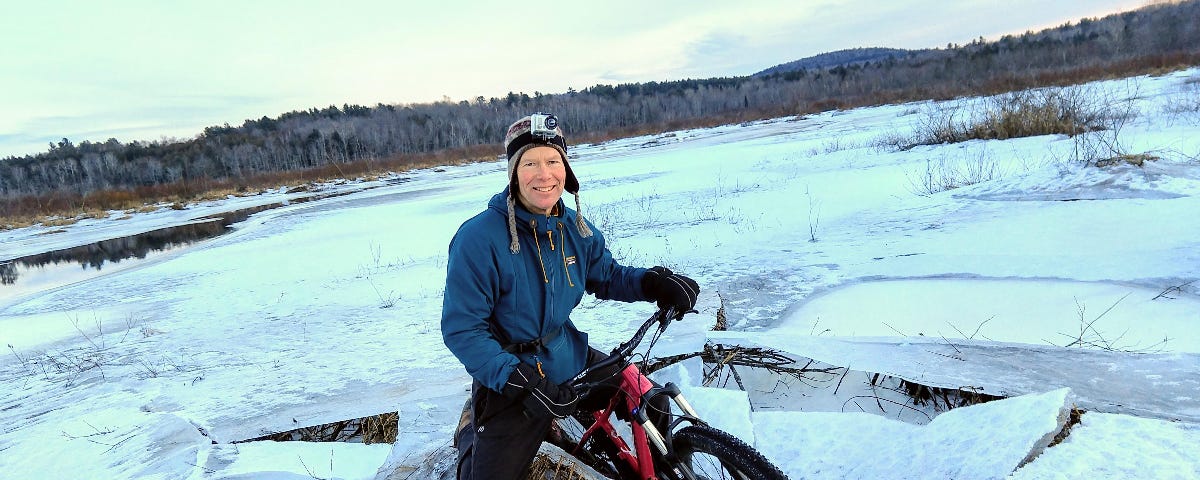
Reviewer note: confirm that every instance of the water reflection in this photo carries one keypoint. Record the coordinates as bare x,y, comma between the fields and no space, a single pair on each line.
8,273
46,270
114,250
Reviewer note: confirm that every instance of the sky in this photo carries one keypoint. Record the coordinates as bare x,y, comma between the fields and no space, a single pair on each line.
148,70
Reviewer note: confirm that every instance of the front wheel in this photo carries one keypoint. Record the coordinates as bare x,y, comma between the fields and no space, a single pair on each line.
711,454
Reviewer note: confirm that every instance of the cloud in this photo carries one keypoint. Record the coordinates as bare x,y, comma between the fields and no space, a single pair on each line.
152,118
716,54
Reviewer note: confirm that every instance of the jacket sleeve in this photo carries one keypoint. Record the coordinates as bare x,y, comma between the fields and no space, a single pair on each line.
607,279
472,288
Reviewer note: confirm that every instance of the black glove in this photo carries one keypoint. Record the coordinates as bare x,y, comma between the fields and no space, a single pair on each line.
670,290
542,398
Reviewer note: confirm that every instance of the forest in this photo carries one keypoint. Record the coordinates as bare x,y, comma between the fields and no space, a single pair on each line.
349,140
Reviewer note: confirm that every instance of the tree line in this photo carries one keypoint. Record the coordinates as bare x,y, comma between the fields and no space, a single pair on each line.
1155,37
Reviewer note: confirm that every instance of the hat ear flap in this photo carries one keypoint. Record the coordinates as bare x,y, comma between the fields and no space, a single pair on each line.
572,184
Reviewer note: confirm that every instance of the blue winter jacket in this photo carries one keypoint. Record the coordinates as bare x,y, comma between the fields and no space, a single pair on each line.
496,298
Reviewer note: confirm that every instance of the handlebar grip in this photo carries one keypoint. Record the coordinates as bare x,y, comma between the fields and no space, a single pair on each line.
583,388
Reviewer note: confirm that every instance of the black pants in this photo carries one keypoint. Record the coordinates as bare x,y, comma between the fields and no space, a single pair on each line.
502,439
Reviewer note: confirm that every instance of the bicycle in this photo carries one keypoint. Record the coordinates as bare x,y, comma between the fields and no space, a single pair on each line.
696,451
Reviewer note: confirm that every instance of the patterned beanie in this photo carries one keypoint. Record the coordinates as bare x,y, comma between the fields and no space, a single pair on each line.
519,140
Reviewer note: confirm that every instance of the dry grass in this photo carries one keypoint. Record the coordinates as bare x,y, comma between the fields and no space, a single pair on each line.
722,321
948,174
1075,418
1137,159
144,208
943,398
545,467
381,428
59,221
1066,111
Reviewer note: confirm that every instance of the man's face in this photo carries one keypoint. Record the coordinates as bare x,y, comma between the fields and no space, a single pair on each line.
541,174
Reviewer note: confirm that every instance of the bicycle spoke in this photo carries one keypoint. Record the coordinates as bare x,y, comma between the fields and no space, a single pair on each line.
708,467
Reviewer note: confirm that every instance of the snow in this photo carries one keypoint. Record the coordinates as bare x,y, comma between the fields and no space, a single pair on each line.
977,442
985,309
807,230
727,410
298,460
1120,446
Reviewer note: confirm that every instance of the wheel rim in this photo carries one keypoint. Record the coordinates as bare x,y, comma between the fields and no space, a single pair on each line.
708,467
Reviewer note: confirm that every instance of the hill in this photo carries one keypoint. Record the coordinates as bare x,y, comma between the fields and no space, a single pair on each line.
840,58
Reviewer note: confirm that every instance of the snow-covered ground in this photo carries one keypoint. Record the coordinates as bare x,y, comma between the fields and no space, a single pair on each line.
809,231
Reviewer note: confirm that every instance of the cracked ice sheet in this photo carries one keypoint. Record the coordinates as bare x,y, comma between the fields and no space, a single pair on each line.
1105,445
981,441
1156,385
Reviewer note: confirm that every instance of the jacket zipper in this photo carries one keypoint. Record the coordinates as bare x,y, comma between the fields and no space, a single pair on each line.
533,224
562,239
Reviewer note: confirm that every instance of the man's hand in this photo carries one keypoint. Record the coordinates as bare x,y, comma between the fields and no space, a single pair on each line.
670,290
542,398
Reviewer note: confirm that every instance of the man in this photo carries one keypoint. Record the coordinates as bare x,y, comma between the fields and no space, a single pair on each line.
515,272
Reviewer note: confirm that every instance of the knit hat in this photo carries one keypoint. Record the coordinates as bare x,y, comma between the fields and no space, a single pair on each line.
519,139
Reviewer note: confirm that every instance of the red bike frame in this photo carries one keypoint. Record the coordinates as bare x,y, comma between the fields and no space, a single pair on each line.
633,386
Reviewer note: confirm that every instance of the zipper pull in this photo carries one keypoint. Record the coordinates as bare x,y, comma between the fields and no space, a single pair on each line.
550,235
538,361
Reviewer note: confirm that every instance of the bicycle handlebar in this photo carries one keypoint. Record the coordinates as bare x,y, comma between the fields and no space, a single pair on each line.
624,350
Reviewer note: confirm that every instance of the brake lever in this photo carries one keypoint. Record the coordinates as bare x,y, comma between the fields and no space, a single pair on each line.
671,314
666,317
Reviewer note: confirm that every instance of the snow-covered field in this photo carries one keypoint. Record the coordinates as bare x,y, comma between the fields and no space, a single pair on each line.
809,231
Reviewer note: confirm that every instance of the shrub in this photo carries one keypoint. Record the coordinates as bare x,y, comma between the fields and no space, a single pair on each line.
1026,113
942,175
1185,103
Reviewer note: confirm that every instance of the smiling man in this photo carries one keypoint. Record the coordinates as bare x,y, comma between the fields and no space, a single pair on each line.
514,274
540,176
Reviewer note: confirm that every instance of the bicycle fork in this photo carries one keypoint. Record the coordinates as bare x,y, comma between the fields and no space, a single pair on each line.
638,392
660,440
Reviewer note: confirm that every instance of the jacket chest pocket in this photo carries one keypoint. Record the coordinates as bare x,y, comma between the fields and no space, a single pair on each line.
557,262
